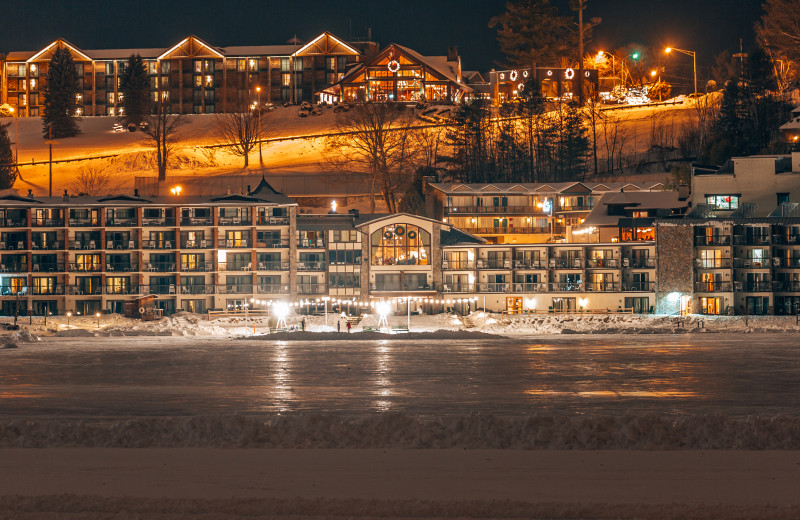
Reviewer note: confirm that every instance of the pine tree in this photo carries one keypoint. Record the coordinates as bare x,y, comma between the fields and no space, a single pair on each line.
8,170
60,91
532,31
134,86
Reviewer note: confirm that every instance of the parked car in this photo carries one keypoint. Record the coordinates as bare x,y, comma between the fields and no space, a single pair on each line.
118,127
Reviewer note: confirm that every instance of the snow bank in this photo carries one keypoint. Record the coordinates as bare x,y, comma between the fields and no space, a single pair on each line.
647,432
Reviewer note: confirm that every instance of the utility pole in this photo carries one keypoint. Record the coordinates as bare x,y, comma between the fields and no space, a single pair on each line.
51,143
580,51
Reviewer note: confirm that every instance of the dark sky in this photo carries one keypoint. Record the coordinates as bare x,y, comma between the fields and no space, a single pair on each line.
428,26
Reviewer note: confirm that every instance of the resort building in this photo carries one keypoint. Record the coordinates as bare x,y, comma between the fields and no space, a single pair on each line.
192,75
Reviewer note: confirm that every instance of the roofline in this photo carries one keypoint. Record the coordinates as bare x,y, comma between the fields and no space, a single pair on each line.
65,42
326,33
163,54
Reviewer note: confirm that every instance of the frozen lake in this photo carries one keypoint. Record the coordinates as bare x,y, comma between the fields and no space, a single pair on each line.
736,375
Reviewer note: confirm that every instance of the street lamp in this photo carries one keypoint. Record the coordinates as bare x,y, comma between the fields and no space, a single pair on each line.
600,56
68,316
97,315
694,63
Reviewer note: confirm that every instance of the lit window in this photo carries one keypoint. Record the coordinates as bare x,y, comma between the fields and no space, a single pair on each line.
400,245
723,202
286,80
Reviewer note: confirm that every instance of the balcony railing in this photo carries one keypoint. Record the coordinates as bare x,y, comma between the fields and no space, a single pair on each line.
234,221
786,286
47,291
47,222
712,263
14,267
750,263
193,221
122,244
311,288
83,222
279,221
274,244
273,266
514,230
502,287
121,267
456,210
311,266
602,263
529,287
638,286
233,243
234,266
451,265
530,264
713,240
85,267
84,244
458,287
306,243
122,222
275,288
566,287
713,286
163,221
490,263
601,286
85,290
196,289
197,244
757,286
786,240
196,267
160,267
786,262
14,222
639,263
566,263
123,289
751,240
158,244
48,267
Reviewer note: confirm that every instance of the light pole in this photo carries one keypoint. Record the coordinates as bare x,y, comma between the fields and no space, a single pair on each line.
600,55
325,299
694,63
260,157
68,316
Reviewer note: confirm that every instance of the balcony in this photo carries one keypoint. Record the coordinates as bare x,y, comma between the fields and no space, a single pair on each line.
85,267
602,263
160,267
121,267
502,287
750,263
234,221
122,222
196,267
14,222
639,263
275,288
273,221
458,288
751,240
530,264
712,263
234,266
196,244
713,240
123,289
79,245
273,244
122,244
83,290
786,262
566,263
786,286
47,222
457,265
565,287
311,288
11,245
14,267
233,243
160,288
310,244
638,286
157,244
786,240
47,291
601,286
48,267
197,289
755,286
513,230
83,222
192,221
273,266
311,266
155,222
710,287
493,263
466,210
530,287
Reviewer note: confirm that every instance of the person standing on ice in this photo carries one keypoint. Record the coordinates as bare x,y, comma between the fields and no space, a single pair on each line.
338,326
349,326
303,324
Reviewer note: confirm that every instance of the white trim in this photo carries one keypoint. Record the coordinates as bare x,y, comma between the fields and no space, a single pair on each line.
318,38
177,45
35,56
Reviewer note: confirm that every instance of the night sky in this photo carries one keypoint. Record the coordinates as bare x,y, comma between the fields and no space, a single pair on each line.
428,26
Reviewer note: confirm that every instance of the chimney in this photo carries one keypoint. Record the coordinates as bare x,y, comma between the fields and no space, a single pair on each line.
683,191
354,212
135,192
65,197
228,192
452,53
30,194
248,189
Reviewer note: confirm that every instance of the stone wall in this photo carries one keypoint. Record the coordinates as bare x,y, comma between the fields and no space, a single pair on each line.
674,265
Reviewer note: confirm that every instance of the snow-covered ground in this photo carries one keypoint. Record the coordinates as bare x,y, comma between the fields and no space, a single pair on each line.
187,324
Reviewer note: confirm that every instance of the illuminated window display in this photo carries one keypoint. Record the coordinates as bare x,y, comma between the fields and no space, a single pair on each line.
400,244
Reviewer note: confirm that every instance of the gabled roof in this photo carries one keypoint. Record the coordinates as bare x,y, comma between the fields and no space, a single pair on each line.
325,44
190,47
123,198
47,52
19,198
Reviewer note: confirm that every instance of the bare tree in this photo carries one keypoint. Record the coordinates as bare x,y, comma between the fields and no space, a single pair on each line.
92,181
240,129
615,136
162,130
376,139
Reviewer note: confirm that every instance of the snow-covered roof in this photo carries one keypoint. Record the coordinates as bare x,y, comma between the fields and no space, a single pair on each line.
510,188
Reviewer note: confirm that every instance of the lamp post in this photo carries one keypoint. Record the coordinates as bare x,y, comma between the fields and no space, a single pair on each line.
97,315
68,316
600,55
325,299
694,63
260,157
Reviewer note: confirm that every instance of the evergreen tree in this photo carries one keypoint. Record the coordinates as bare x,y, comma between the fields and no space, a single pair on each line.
134,86
8,170
532,31
60,91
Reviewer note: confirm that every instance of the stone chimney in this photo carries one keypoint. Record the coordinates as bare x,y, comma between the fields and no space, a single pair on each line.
65,197
30,194
452,53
